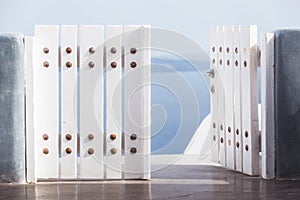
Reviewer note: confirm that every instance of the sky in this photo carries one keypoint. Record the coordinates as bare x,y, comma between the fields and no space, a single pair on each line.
192,18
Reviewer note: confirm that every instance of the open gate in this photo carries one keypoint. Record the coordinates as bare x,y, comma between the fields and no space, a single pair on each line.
88,103
234,101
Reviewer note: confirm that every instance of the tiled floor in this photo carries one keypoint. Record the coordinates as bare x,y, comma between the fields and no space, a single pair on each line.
172,182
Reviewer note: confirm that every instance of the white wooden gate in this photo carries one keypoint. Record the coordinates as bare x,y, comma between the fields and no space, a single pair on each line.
88,103
234,101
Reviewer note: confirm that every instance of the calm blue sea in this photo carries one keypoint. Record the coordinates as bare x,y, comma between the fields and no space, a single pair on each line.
180,101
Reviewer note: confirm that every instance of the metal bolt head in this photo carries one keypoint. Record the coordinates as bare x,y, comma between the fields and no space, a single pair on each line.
246,148
236,63
69,50
45,151
227,49
236,50
133,64
113,136
113,151
228,62
213,61
92,50
68,64
133,150
69,136
46,50
133,136
68,150
212,89
113,64
113,50
45,137
91,136
46,64
133,50
91,151
91,64
229,129
211,73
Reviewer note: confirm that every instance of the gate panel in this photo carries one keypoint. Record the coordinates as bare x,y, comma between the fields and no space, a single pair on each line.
249,99
113,138
237,100
228,81
91,102
137,102
214,93
46,106
237,97
68,160
30,137
67,99
267,106
221,96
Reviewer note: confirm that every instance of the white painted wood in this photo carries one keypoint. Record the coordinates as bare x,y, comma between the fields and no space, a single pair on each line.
229,109
91,102
214,134
30,137
237,100
267,106
137,103
68,160
221,95
46,101
113,54
146,62
248,39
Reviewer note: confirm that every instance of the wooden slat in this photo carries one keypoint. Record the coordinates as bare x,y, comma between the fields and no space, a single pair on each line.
68,160
136,102
113,54
91,102
214,134
237,100
248,39
30,137
229,114
146,62
46,101
221,96
267,106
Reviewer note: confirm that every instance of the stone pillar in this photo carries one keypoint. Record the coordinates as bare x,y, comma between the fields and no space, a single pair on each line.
12,109
287,103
